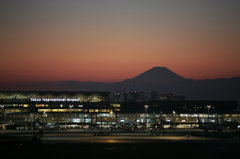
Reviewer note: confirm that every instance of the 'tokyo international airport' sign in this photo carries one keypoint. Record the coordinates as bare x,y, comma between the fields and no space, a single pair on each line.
54,100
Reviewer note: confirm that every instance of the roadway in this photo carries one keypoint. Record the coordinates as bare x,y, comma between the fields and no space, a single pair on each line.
78,143
81,135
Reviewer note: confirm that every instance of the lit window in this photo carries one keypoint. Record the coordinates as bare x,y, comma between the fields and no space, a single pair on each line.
88,120
75,110
76,120
117,109
59,110
96,110
184,115
103,110
15,110
91,110
103,115
25,105
85,110
116,105
44,110
40,105
6,110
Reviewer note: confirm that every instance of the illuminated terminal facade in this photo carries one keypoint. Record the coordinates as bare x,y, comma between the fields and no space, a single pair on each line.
21,109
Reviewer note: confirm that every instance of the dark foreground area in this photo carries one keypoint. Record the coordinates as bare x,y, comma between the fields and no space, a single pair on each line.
83,144
157,149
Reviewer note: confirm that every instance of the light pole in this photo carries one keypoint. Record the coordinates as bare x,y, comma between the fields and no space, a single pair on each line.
174,120
101,121
160,120
70,112
2,111
34,125
146,106
42,121
209,106
112,126
111,115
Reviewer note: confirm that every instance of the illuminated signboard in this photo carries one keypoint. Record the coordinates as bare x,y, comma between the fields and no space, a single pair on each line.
54,100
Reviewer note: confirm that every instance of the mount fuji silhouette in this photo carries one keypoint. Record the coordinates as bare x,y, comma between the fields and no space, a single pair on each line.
158,75
160,79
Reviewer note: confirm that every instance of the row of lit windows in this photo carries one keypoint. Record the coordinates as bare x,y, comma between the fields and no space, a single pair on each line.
41,105
75,110
196,108
116,105
99,110
61,105
190,115
16,105
16,110
36,105
60,110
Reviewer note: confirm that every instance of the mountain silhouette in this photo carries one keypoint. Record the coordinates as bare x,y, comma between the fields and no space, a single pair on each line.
158,75
160,79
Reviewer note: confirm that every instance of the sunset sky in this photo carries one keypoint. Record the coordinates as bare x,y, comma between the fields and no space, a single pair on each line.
114,40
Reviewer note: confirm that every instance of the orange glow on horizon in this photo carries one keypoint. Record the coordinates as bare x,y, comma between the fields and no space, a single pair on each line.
117,41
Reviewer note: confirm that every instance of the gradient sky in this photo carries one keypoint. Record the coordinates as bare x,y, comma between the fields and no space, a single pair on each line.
110,41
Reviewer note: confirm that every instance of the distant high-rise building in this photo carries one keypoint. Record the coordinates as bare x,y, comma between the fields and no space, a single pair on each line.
172,97
137,96
165,97
154,96
117,96
131,96
140,96
180,98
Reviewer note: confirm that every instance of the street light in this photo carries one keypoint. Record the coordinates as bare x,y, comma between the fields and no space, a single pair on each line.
146,106
162,121
111,115
209,106
101,120
174,120
34,125
2,111
70,112
42,121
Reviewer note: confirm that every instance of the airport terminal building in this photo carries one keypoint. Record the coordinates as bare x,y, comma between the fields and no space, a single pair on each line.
21,109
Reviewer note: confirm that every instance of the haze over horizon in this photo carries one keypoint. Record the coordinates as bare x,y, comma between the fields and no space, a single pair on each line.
111,41
158,71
